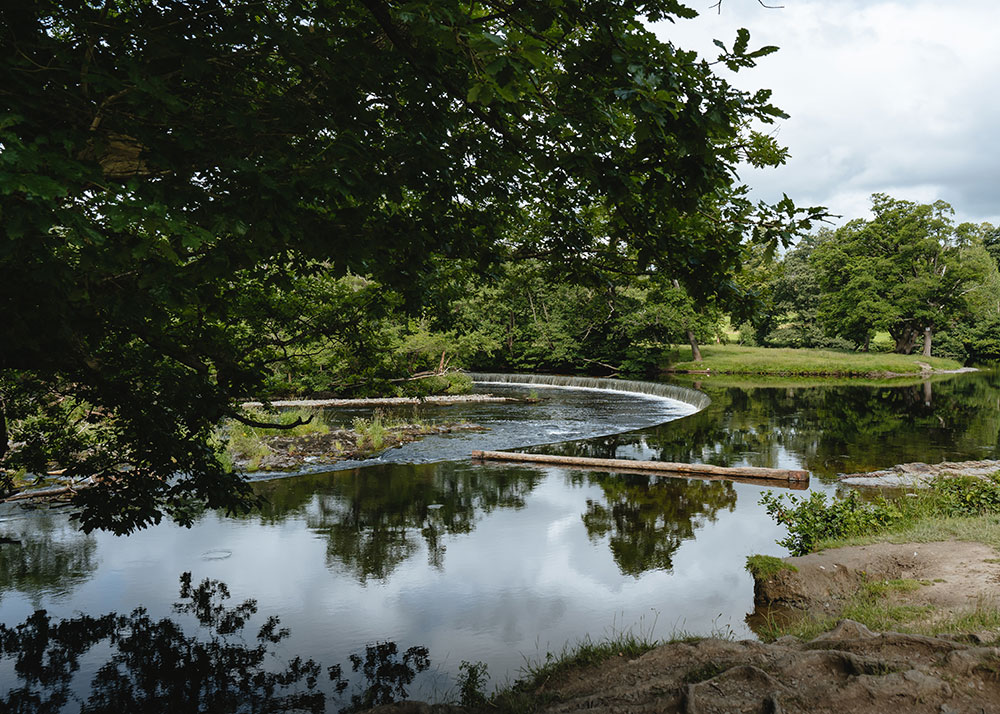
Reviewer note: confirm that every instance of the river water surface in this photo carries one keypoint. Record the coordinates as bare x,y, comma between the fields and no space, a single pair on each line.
499,563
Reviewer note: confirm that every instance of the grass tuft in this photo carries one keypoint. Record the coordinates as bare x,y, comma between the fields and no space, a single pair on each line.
764,566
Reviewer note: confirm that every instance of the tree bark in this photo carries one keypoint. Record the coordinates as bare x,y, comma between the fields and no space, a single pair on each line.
927,341
906,341
695,350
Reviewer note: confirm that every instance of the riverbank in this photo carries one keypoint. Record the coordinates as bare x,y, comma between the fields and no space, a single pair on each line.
254,449
740,359
926,560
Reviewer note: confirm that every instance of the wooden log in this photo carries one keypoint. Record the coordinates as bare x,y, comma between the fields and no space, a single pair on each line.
748,472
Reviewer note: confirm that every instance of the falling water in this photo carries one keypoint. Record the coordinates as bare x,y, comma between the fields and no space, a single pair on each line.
696,399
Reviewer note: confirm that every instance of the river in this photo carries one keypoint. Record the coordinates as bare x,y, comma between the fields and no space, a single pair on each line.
499,563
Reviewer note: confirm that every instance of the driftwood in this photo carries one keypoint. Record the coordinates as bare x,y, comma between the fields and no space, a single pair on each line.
754,473
46,493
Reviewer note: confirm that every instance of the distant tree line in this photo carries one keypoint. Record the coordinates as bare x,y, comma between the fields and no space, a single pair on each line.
908,272
908,279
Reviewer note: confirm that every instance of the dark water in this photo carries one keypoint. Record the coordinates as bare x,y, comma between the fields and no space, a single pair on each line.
498,563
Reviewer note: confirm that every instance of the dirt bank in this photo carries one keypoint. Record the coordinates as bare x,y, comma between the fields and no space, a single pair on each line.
849,669
935,582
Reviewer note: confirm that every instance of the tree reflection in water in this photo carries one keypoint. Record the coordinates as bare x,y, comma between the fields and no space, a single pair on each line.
156,666
647,517
42,554
374,519
824,429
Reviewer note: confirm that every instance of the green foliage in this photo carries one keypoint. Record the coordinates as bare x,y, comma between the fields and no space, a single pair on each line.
177,199
966,495
370,432
535,320
909,271
447,383
811,520
472,682
243,442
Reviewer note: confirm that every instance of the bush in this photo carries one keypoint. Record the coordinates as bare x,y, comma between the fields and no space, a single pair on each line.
966,495
811,520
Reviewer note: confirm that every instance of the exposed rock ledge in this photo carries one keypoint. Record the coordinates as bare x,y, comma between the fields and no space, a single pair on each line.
849,669
917,475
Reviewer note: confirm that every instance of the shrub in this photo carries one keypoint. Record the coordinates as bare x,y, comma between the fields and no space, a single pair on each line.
813,519
966,495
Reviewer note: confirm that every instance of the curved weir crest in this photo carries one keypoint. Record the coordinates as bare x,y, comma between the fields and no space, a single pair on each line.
692,397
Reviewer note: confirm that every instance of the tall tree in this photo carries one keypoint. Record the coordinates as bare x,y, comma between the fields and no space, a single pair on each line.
907,271
163,163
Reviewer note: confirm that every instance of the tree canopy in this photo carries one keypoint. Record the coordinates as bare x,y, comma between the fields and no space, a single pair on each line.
907,271
170,172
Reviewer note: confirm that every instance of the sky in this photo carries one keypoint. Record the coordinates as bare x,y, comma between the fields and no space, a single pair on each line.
892,97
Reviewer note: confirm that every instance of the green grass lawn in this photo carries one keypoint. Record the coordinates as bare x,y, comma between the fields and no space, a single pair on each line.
737,359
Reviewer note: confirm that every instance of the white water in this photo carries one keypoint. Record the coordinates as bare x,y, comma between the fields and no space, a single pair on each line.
656,390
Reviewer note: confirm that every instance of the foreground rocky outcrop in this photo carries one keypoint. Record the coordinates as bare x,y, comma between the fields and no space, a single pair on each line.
849,669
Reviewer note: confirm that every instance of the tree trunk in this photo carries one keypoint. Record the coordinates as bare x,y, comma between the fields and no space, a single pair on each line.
927,342
868,344
695,350
906,341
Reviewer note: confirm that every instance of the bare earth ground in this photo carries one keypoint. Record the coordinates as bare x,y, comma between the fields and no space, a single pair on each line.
954,576
849,669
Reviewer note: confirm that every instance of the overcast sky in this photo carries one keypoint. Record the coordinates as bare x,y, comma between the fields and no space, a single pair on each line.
893,97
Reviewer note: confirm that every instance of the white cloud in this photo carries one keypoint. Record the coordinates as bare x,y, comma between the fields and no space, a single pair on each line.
883,96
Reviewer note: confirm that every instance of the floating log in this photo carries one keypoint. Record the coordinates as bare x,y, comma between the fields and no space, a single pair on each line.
728,472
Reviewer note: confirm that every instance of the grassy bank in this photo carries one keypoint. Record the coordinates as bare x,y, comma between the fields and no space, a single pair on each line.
960,508
259,449
739,359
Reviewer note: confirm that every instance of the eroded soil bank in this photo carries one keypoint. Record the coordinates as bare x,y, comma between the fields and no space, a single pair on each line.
849,669
933,581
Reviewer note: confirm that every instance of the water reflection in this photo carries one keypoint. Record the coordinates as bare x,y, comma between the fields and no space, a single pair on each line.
157,666
645,519
372,519
492,562
826,430
42,556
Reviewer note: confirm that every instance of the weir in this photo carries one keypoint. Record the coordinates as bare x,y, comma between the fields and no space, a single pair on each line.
698,400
